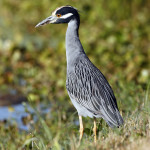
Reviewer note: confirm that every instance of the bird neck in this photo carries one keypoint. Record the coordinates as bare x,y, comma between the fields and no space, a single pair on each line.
73,44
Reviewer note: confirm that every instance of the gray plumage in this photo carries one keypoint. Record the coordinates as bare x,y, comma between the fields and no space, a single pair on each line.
88,89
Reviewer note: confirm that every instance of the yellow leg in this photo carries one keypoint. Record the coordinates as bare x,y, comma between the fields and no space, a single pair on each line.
94,131
81,127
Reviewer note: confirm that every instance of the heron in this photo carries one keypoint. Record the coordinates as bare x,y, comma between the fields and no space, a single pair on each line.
88,89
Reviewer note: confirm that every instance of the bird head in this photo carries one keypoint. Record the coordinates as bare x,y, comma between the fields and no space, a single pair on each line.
62,14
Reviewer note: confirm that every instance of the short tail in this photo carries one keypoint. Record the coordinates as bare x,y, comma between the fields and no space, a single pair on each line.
113,121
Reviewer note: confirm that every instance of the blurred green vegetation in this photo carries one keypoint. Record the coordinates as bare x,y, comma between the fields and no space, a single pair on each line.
115,35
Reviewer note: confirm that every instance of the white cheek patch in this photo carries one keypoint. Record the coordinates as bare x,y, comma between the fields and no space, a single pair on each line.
66,16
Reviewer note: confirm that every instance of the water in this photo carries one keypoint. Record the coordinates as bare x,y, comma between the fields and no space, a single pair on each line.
15,113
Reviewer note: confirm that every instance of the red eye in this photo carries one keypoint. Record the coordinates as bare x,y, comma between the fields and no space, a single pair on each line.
58,15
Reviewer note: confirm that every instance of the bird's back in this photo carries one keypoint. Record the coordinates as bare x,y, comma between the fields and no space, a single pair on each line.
87,86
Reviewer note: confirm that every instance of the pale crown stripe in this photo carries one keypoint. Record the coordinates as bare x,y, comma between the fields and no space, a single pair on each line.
54,12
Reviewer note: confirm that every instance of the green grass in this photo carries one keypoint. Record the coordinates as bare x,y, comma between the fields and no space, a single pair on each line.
59,131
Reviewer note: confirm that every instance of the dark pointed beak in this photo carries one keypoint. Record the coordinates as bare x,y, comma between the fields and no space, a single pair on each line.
48,20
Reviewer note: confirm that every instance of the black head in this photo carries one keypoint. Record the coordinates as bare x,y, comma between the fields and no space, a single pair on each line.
62,14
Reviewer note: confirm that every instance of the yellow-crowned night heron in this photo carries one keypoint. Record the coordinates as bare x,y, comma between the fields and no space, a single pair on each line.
87,87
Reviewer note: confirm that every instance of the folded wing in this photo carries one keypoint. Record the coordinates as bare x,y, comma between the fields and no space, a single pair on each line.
87,85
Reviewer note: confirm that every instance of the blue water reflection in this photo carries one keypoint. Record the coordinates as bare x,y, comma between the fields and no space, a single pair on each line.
15,113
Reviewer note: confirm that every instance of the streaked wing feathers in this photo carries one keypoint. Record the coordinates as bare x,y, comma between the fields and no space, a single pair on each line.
89,88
